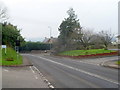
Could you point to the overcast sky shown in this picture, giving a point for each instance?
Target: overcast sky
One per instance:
(34, 16)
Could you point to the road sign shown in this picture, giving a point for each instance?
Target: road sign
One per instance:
(4, 46)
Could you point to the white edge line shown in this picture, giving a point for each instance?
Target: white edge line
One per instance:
(32, 70)
(6, 70)
(80, 70)
(45, 80)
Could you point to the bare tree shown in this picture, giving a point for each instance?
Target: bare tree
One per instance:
(3, 18)
(106, 38)
(86, 38)
(3, 13)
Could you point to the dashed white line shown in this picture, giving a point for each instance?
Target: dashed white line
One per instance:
(80, 70)
(34, 73)
(51, 86)
(89, 63)
(45, 80)
(74, 61)
(32, 70)
(6, 70)
(36, 69)
(36, 77)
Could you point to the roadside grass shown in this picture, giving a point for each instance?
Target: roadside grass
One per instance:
(0, 56)
(10, 58)
(118, 62)
(85, 52)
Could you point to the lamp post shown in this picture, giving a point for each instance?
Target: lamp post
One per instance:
(50, 35)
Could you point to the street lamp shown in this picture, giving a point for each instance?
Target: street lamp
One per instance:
(50, 36)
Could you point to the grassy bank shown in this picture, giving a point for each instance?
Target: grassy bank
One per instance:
(10, 58)
(85, 52)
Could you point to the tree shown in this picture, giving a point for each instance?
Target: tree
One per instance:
(86, 38)
(68, 30)
(3, 17)
(0, 33)
(106, 38)
(10, 34)
(29, 46)
(3, 13)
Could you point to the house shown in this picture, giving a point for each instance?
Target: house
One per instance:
(49, 40)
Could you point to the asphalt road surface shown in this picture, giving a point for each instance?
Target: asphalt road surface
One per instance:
(21, 77)
(68, 73)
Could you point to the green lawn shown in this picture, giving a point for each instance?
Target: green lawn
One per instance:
(85, 52)
(10, 54)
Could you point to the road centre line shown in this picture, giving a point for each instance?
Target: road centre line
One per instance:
(80, 70)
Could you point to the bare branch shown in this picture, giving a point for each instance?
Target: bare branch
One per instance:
(3, 14)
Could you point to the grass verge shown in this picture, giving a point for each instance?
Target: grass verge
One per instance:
(85, 52)
(118, 62)
(10, 58)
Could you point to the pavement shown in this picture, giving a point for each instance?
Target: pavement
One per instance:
(23, 76)
(111, 64)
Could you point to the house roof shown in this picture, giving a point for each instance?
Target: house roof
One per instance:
(118, 36)
(46, 40)
(49, 40)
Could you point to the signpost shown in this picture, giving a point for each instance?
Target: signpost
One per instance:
(4, 47)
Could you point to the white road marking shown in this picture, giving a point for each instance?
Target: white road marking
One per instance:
(51, 86)
(34, 73)
(86, 62)
(80, 70)
(6, 70)
(89, 63)
(93, 62)
(32, 70)
(37, 69)
(45, 80)
(36, 77)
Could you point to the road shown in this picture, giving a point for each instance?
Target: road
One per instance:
(22, 77)
(68, 73)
